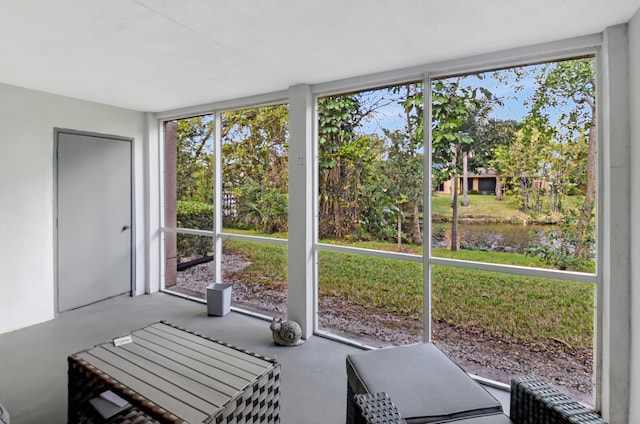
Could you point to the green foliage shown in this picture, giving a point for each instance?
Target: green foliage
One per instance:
(558, 247)
(574, 191)
(489, 135)
(193, 214)
(264, 209)
(345, 168)
(523, 164)
(194, 168)
(255, 147)
(401, 175)
(370, 185)
(338, 117)
(255, 167)
(456, 109)
(569, 87)
(197, 215)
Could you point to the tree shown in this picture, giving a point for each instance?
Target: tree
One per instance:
(524, 162)
(346, 163)
(452, 104)
(255, 166)
(492, 138)
(194, 173)
(401, 175)
(409, 151)
(570, 86)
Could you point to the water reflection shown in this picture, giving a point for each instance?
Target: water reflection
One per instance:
(514, 238)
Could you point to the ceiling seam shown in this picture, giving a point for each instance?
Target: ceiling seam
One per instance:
(209, 39)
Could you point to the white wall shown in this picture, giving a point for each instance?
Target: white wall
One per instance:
(27, 120)
(634, 72)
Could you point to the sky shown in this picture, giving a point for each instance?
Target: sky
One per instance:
(392, 116)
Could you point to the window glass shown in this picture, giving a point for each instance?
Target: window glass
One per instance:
(258, 273)
(514, 165)
(514, 183)
(501, 326)
(255, 184)
(370, 196)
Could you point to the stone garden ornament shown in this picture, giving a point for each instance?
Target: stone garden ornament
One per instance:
(286, 333)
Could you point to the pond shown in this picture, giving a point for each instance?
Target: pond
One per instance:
(514, 238)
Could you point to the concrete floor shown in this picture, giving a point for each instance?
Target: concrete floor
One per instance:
(33, 380)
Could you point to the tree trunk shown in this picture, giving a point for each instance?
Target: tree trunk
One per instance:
(498, 187)
(399, 229)
(525, 194)
(453, 186)
(417, 231)
(338, 212)
(454, 217)
(465, 180)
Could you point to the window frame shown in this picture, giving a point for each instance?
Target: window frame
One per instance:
(216, 234)
(612, 361)
(551, 52)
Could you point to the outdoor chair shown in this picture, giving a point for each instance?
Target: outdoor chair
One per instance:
(420, 384)
(532, 402)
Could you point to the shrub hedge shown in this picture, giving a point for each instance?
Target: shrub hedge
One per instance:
(197, 215)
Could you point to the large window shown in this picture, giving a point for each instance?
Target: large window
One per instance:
(512, 201)
(513, 222)
(459, 208)
(255, 182)
(370, 215)
(189, 204)
(250, 191)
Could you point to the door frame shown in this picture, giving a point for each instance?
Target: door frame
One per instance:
(130, 140)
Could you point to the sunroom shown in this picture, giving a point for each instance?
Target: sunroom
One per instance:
(233, 109)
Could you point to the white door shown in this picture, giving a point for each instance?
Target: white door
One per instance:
(94, 236)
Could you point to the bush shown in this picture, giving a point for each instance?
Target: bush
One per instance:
(574, 191)
(263, 208)
(196, 215)
(558, 247)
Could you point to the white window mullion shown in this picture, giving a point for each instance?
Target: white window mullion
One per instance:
(300, 285)
(613, 357)
(217, 198)
(426, 209)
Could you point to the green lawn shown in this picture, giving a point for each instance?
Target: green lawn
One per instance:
(487, 206)
(466, 255)
(479, 205)
(513, 308)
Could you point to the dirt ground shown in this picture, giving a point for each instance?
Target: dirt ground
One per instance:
(475, 352)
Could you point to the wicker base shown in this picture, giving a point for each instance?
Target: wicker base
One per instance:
(378, 408)
(534, 401)
(259, 402)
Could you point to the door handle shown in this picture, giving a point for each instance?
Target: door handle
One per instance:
(125, 227)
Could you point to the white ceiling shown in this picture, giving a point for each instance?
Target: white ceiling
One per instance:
(157, 55)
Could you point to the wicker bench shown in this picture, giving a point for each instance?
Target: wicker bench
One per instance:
(532, 401)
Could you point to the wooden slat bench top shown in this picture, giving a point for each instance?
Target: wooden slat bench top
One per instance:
(189, 376)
